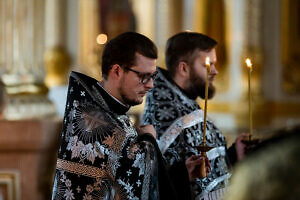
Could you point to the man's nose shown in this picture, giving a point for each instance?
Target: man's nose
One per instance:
(213, 70)
(149, 84)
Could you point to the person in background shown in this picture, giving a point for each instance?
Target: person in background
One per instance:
(270, 171)
(172, 109)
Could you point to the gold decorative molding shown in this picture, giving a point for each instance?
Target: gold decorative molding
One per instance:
(9, 185)
(57, 64)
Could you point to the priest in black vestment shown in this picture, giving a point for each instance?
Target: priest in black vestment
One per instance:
(101, 154)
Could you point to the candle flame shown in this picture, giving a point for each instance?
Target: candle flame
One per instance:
(207, 61)
(248, 62)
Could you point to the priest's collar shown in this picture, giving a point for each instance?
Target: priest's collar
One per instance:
(113, 103)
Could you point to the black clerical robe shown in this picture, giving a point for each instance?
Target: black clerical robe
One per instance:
(178, 120)
(101, 156)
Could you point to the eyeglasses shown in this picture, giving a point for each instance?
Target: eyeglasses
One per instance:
(144, 77)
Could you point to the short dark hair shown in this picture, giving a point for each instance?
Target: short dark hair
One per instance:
(181, 47)
(122, 49)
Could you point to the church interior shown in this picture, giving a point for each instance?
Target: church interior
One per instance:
(43, 40)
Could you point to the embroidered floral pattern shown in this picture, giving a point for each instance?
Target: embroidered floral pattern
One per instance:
(109, 140)
(96, 140)
(179, 143)
(139, 163)
(79, 150)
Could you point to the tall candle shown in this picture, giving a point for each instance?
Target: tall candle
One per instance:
(207, 64)
(249, 67)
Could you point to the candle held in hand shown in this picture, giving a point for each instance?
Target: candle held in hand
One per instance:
(207, 64)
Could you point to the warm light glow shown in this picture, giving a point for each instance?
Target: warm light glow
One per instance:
(102, 38)
(248, 62)
(207, 61)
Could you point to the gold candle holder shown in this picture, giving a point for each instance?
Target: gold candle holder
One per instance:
(204, 148)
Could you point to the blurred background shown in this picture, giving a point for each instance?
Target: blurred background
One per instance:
(43, 40)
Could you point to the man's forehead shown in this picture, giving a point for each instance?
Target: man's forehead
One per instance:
(144, 64)
(137, 56)
(211, 54)
(140, 57)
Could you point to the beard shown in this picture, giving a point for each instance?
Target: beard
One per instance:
(196, 87)
(126, 99)
(130, 101)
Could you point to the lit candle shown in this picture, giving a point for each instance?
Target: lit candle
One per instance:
(207, 64)
(249, 66)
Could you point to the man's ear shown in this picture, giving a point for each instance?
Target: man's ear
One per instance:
(116, 71)
(183, 69)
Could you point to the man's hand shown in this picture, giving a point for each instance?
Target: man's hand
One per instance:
(243, 145)
(240, 146)
(193, 165)
(147, 129)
